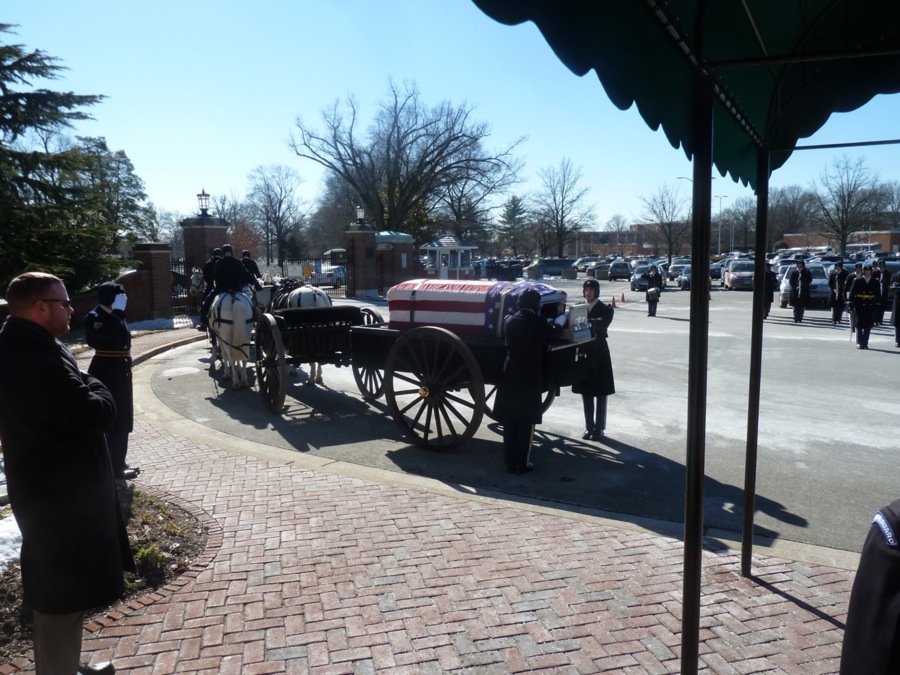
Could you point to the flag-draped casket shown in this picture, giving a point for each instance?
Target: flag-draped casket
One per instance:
(474, 310)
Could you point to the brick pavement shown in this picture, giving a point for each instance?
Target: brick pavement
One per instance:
(314, 572)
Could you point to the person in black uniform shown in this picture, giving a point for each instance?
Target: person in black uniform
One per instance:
(250, 264)
(865, 296)
(599, 383)
(107, 332)
(519, 392)
(872, 634)
(883, 277)
(853, 276)
(231, 275)
(209, 271)
(654, 281)
(895, 308)
(771, 284)
(799, 279)
(837, 282)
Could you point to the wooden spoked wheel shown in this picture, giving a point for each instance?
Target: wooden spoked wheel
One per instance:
(371, 317)
(271, 363)
(369, 380)
(434, 388)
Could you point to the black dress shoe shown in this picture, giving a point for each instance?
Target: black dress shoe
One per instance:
(597, 435)
(526, 469)
(586, 436)
(105, 668)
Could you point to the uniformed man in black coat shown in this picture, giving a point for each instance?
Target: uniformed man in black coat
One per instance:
(231, 275)
(599, 382)
(799, 280)
(837, 282)
(107, 332)
(209, 272)
(250, 264)
(865, 296)
(769, 288)
(520, 391)
(872, 634)
(53, 421)
(883, 277)
(895, 308)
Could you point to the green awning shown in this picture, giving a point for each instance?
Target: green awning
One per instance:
(779, 67)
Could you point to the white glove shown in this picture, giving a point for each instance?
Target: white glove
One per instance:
(119, 301)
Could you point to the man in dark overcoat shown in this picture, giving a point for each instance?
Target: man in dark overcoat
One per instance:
(883, 277)
(837, 297)
(250, 264)
(872, 634)
(231, 275)
(799, 280)
(107, 332)
(895, 308)
(520, 391)
(865, 296)
(53, 420)
(599, 382)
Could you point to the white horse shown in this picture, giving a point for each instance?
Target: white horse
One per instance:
(306, 296)
(198, 287)
(231, 323)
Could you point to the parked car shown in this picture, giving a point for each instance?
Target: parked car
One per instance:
(715, 270)
(684, 279)
(598, 270)
(619, 270)
(581, 264)
(549, 267)
(328, 275)
(639, 284)
(818, 289)
(676, 266)
(738, 275)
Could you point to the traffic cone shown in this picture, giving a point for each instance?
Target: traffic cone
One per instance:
(614, 301)
(623, 298)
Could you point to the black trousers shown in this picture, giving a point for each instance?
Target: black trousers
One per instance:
(118, 449)
(592, 423)
(517, 437)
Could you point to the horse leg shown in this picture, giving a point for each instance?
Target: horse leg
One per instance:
(317, 368)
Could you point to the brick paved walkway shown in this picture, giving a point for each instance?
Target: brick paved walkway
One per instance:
(314, 572)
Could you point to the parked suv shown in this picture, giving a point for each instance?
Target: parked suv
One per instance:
(619, 270)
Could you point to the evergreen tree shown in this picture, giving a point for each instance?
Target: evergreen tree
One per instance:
(45, 214)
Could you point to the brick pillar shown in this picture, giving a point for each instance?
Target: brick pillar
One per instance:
(157, 260)
(201, 235)
(361, 264)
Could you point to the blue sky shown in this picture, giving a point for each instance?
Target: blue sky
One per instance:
(200, 92)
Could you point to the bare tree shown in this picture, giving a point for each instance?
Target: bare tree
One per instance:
(667, 217)
(560, 207)
(273, 198)
(335, 209)
(891, 191)
(410, 157)
(790, 210)
(848, 199)
(618, 226)
(740, 218)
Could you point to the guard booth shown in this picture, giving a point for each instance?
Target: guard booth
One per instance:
(450, 257)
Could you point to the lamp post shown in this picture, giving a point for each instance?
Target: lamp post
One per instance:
(360, 216)
(203, 200)
(719, 245)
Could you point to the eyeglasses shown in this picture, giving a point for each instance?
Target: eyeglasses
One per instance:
(65, 303)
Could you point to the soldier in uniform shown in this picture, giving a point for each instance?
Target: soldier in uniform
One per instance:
(107, 332)
(872, 634)
(883, 277)
(250, 264)
(799, 279)
(837, 282)
(853, 276)
(895, 308)
(209, 270)
(599, 383)
(519, 393)
(771, 284)
(865, 296)
(231, 275)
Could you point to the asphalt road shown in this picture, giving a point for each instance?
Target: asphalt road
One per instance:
(828, 428)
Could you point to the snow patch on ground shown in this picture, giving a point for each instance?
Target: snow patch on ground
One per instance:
(10, 541)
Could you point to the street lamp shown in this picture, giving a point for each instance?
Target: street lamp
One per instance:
(203, 200)
(360, 215)
(720, 198)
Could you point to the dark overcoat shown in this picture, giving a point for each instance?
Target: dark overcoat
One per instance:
(799, 282)
(53, 420)
(872, 634)
(521, 387)
(837, 282)
(771, 284)
(231, 275)
(600, 381)
(895, 308)
(107, 332)
(865, 296)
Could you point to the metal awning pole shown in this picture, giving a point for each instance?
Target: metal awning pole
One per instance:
(695, 471)
(756, 336)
